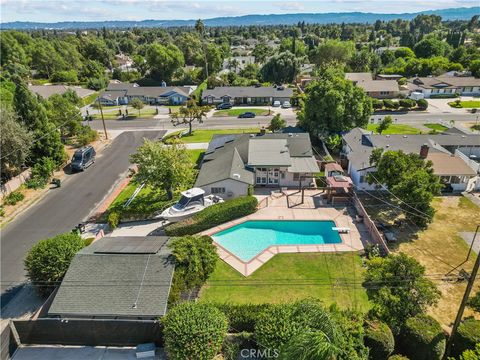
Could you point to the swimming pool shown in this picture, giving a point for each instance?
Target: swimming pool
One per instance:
(248, 239)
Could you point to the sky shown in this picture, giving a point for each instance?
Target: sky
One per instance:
(100, 10)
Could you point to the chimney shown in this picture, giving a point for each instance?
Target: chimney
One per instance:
(263, 131)
(424, 151)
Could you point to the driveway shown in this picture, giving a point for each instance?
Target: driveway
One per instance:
(61, 209)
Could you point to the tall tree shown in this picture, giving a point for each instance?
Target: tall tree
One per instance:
(333, 51)
(163, 61)
(281, 68)
(164, 167)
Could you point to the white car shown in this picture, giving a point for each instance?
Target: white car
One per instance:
(286, 105)
(276, 103)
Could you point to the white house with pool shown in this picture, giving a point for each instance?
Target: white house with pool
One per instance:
(234, 162)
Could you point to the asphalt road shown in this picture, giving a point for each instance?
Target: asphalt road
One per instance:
(63, 208)
(232, 122)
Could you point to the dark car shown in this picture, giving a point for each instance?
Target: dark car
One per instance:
(83, 158)
(224, 106)
(247, 114)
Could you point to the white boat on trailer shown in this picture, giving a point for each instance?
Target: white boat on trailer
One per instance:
(191, 202)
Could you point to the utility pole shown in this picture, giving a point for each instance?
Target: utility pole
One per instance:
(103, 120)
(466, 295)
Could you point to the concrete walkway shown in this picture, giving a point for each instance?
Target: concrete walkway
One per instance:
(195, 146)
(468, 237)
(139, 228)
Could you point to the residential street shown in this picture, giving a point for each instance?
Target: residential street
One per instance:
(61, 209)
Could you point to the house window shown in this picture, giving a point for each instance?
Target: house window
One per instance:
(362, 179)
(264, 180)
(217, 190)
(296, 176)
(282, 174)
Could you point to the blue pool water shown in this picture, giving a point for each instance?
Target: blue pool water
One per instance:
(250, 238)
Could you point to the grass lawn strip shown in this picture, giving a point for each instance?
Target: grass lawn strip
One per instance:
(204, 136)
(236, 112)
(395, 129)
(466, 104)
(436, 127)
(332, 278)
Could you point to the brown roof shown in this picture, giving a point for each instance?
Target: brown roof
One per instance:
(446, 164)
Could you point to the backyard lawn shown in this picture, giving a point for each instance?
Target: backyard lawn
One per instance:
(203, 136)
(196, 155)
(466, 104)
(395, 129)
(436, 127)
(236, 112)
(332, 278)
(439, 248)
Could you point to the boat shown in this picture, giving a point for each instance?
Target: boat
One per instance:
(191, 202)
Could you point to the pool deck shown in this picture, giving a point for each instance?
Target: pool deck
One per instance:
(279, 208)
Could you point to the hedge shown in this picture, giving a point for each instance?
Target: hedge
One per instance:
(242, 317)
(422, 338)
(379, 339)
(214, 215)
(398, 357)
(194, 331)
(468, 334)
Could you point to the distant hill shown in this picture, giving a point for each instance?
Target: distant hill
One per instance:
(273, 19)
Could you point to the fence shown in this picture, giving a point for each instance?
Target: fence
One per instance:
(89, 332)
(15, 182)
(370, 225)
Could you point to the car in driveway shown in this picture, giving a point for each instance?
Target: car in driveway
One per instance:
(224, 106)
(276, 103)
(83, 158)
(286, 105)
(247, 114)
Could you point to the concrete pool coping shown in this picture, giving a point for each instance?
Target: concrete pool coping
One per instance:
(247, 268)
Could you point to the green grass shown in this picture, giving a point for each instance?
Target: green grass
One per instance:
(466, 104)
(200, 136)
(132, 114)
(395, 129)
(87, 100)
(332, 278)
(196, 155)
(236, 112)
(436, 127)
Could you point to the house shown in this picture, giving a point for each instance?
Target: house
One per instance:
(444, 85)
(45, 91)
(237, 63)
(450, 153)
(382, 49)
(117, 278)
(124, 62)
(233, 163)
(118, 93)
(247, 95)
(378, 89)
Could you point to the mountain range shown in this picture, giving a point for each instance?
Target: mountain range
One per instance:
(272, 19)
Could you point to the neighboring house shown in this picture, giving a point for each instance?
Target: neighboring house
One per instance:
(451, 153)
(117, 277)
(122, 93)
(379, 89)
(237, 63)
(445, 85)
(232, 163)
(247, 95)
(382, 49)
(124, 62)
(395, 77)
(45, 91)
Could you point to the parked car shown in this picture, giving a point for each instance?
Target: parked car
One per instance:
(247, 114)
(83, 158)
(276, 103)
(286, 105)
(224, 106)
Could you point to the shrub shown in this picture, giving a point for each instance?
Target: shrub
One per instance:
(242, 317)
(48, 261)
(214, 215)
(2, 211)
(86, 135)
(389, 104)
(42, 171)
(234, 343)
(275, 327)
(379, 339)
(377, 104)
(13, 198)
(422, 338)
(422, 104)
(113, 219)
(69, 76)
(194, 331)
(471, 354)
(467, 335)
(407, 103)
(398, 357)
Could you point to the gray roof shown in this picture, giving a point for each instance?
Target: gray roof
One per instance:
(268, 152)
(247, 91)
(304, 165)
(378, 85)
(106, 278)
(443, 81)
(156, 91)
(45, 91)
(112, 94)
(360, 76)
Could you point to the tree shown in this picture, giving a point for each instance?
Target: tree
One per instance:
(188, 114)
(48, 261)
(63, 112)
(277, 123)
(281, 68)
(333, 52)
(398, 289)
(410, 179)
(194, 331)
(15, 143)
(384, 124)
(30, 111)
(475, 68)
(261, 52)
(430, 47)
(162, 167)
(163, 61)
(334, 142)
(138, 104)
(474, 302)
(334, 104)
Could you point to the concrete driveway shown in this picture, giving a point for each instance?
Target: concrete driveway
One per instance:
(440, 106)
